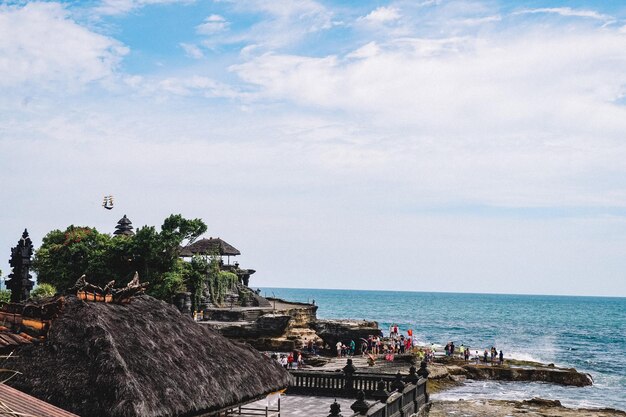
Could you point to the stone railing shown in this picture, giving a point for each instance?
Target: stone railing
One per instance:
(408, 402)
(395, 395)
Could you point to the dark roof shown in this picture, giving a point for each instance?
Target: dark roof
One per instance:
(124, 227)
(140, 359)
(14, 402)
(9, 340)
(209, 247)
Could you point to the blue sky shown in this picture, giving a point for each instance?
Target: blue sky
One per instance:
(421, 145)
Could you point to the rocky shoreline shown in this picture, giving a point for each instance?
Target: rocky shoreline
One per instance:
(446, 372)
(281, 326)
(535, 407)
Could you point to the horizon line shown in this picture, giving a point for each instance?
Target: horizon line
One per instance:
(449, 292)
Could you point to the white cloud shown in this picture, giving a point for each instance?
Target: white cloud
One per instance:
(286, 22)
(477, 21)
(568, 12)
(41, 44)
(503, 120)
(192, 51)
(195, 85)
(383, 15)
(212, 24)
(164, 88)
(117, 7)
(366, 51)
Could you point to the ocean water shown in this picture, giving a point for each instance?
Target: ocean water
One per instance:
(587, 333)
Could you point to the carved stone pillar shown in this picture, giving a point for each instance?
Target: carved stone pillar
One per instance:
(360, 405)
(349, 371)
(19, 281)
(335, 410)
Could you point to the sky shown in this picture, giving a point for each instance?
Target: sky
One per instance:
(433, 145)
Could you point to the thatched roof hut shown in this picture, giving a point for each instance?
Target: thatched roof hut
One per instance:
(140, 359)
(209, 246)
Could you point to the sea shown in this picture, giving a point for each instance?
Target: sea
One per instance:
(586, 333)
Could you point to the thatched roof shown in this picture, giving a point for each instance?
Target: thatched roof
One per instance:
(209, 247)
(140, 359)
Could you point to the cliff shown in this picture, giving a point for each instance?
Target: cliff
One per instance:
(283, 326)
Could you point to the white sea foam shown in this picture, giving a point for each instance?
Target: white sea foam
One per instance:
(523, 356)
(588, 397)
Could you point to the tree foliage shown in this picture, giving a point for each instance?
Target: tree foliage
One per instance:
(66, 255)
(43, 290)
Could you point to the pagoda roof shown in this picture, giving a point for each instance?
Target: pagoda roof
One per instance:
(124, 227)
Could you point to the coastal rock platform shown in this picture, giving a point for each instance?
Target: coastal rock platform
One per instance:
(554, 375)
(514, 370)
(501, 408)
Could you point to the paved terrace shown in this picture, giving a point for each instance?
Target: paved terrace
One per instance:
(305, 406)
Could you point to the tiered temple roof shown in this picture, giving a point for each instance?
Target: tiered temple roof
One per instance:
(124, 227)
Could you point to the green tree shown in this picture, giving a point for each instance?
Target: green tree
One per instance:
(66, 255)
(5, 296)
(43, 290)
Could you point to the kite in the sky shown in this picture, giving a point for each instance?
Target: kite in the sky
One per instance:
(108, 202)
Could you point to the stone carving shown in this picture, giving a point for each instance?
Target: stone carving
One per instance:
(335, 410)
(108, 294)
(360, 405)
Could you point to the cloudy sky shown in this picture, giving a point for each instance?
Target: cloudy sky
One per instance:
(464, 146)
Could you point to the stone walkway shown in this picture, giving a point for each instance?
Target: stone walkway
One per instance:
(304, 406)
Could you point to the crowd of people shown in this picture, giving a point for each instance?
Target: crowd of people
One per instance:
(396, 343)
(489, 355)
(293, 360)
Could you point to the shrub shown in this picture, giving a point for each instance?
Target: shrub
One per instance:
(43, 290)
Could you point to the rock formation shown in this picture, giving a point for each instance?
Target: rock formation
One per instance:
(455, 369)
(332, 331)
(554, 375)
(496, 408)
(283, 326)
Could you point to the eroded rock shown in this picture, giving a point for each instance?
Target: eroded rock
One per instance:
(536, 407)
(332, 331)
(554, 375)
